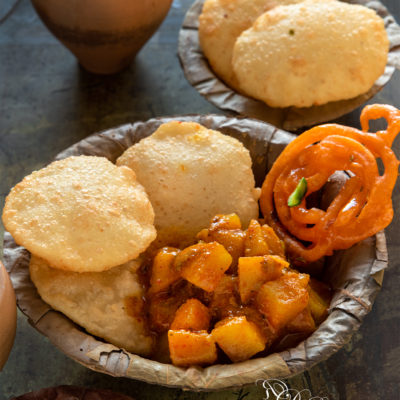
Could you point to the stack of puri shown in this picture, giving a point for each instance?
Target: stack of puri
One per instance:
(88, 222)
(299, 53)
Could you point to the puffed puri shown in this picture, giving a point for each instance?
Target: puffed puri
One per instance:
(81, 214)
(220, 24)
(191, 174)
(106, 304)
(311, 53)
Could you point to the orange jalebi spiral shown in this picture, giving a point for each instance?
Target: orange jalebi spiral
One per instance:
(362, 207)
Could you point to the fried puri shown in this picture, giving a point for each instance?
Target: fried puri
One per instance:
(191, 174)
(311, 53)
(81, 214)
(107, 304)
(221, 23)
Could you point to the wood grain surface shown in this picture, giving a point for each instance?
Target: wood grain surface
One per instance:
(47, 103)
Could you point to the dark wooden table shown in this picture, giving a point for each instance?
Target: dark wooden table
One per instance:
(47, 102)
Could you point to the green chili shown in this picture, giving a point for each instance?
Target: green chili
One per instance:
(298, 194)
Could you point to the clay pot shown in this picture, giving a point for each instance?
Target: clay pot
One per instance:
(105, 35)
(8, 316)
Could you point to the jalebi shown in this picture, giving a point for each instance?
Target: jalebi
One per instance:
(363, 205)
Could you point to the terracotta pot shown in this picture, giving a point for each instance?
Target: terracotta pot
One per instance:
(104, 35)
(8, 315)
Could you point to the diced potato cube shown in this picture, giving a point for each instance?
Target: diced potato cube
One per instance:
(193, 316)
(320, 298)
(254, 242)
(232, 240)
(238, 338)
(318, 307)
(282, 299)
(269, 333)
(225, 221)
(221, 222)
(225, 299)
(255, 271)
(163, 272)
(203, 235)
(302, 323)
(191, 348)
(226, 230)
(203, 264)
(276, 246)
